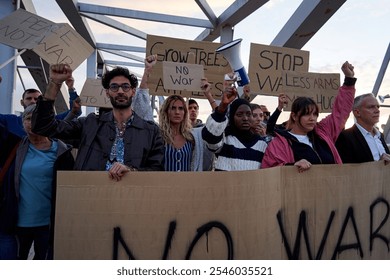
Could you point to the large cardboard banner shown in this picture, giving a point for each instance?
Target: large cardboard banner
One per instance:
(186, 51)
(321, 87)
(55, 43)
(328, 212)
(266, 64)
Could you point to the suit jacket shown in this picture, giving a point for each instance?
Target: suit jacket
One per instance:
(353, 148)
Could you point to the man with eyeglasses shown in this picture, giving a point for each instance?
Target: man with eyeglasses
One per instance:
(119, 141)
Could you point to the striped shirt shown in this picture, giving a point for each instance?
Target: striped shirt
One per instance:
(178, 159)
(232, 154)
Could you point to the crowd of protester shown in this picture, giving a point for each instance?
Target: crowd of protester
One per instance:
(238, 135)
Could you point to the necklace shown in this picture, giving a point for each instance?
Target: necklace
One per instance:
(121, 126)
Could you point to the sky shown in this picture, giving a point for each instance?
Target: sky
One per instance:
(357, 32)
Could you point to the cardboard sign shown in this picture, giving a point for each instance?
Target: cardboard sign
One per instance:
(266, 64)
(186, 51)
(182, 76)
(64, 46)
(24, 30)
(93, 94)
(328, 212)
(323, 88)
(55, 43)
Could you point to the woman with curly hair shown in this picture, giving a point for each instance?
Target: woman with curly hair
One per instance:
(176, 132)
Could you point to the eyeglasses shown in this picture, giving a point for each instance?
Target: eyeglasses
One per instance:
(115, 87)
(267, 114)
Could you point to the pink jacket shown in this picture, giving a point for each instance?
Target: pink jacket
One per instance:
(279, 151)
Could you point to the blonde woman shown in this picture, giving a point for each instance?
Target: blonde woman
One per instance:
(176, 132)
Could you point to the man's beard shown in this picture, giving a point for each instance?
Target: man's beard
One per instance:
(117, 105)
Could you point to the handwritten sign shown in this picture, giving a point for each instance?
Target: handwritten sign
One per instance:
(64, 46)
(182, 76)
(24, 30)
(328, 212)
(266, 64)
(55, 43)
(323, 88)
(186, 51)
(93, 94)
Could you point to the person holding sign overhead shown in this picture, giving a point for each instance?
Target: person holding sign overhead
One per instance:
(236, 147)
(119, 141)
(307, 142)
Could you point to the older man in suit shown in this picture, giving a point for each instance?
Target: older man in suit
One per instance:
(363, 142)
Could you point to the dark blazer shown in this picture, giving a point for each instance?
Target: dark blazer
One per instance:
(353, 148)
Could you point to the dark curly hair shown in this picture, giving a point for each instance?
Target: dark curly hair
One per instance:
(119, 71)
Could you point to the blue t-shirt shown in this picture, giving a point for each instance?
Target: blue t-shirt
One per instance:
(36, 179)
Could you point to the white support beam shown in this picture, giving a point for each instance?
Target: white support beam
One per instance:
(117, 62)
(382, 72)
(308, 18)
(7, 86)
(116, 24)
(235, 13)
(227, 33)
(79, 24)
(141, 15)
(104, 46)
(205, 7)
(126, 55)
(69, 8)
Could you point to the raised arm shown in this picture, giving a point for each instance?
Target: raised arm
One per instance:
(206, 88)
(59, 73)
(282, 103)
(141, 101)
(74, 102)
(334, 123)
(43, 119)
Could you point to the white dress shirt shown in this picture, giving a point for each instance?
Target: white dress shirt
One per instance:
(373, 141)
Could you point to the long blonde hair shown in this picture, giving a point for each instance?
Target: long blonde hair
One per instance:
(165, 124)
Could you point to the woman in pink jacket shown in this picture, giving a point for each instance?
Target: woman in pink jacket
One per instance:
(307, 142)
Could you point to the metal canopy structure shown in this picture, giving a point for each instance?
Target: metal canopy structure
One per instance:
(301, 27)
(308, 18)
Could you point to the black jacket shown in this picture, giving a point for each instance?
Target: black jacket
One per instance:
(144, 148)
(353, 148)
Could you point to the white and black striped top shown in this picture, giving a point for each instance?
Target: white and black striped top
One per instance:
(233, 152)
